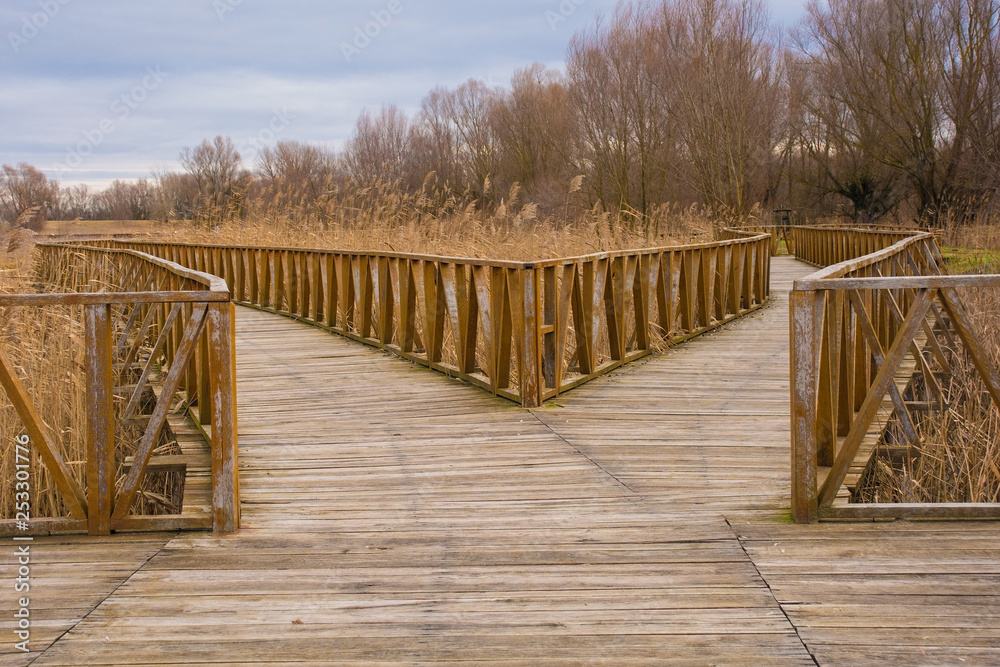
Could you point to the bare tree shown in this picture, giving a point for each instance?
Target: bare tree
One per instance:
(23, 188)
(124, 200)
(215, 166)
(299, 172)
(608, 78)
(455, 137)
(972, 100)
(534, 126)
(821, 158)
(379, 149)
(435, 143)
(728, 99)
(75, 202)
(175, 195)
(470, 109)
(913, 86)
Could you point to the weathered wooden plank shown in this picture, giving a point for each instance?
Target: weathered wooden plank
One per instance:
(806, 317)
(222, 384)
(100, 419)
(913, 511)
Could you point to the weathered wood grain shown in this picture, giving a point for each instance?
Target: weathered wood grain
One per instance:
(126, 296)
(855, 324)
(397, 301)
(392, 515)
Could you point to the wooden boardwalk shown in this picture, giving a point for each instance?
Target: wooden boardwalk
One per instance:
(393, 515)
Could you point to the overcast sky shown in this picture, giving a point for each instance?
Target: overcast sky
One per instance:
(93, 90)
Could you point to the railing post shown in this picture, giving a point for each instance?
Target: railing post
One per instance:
(806, 328)
(531, 368)
(100, 419)
(308, 280)
(253, 276)
(549, 315)
(266, 278)
(766, 276)
(206, 397)
(829, 350)
(225, 449)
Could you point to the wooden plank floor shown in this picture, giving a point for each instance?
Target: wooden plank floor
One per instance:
(705, 429)
(393, 515)
(70, 576)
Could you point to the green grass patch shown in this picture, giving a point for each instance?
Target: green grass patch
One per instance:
(965, 260)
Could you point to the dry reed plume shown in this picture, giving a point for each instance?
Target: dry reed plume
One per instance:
(385, 217)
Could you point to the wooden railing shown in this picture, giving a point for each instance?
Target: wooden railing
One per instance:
(780, 234)
(824, 246)
(871, 338)
(143, 317)
(523, 330)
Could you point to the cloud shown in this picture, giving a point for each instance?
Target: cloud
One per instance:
(232, 64)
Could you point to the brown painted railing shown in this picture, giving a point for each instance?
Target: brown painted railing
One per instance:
(779, 234)
(822, 243)
(523, 330)
(824, 246)
(150, 316)
(882, 316)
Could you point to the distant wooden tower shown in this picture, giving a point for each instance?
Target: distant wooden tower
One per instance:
(783, 230)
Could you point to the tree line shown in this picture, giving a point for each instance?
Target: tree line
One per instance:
(866, 108)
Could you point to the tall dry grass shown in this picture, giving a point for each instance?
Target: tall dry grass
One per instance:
(958, 458)
(981, 235)
(385, 217)
(46, 347)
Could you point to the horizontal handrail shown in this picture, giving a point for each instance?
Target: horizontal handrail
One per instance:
(132, 243)
(778, 234)
(826, 246)
(527, 331)
(871, 333)
(120, 298)
(895, 282)
(144, 302)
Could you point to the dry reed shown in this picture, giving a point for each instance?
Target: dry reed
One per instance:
(46, 347)
(958, 457)
(384, 217)
(982, 235)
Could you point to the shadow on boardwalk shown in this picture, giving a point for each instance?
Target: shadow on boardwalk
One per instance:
(393, 515)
